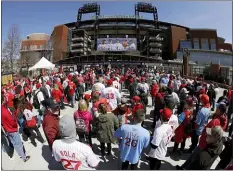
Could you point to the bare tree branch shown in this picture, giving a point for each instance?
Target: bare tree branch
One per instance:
(10, 52)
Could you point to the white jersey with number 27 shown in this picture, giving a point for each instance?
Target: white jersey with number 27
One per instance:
(75, 156)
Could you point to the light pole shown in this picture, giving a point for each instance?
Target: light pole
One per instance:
(186, 53)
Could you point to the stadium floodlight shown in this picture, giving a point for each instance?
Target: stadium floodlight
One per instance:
(145, 7)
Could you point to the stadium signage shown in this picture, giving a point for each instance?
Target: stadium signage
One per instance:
(116, 16)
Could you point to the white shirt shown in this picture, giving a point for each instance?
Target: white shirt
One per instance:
(173, 122)
(74, 156)
(119, 46)
(116, 84)
(40, 97)
(28, 114)
(143, 86)
(176, 98)
(65, 84)
(112, 95)
(162, 137)
(102, 47)
(177, 84)
(49, 89)
(132, 47)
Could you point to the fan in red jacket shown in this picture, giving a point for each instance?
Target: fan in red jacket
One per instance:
(10, 126)
(9, 99)
(51, 123)
(219, 119)
(137, 104)
(154, 90)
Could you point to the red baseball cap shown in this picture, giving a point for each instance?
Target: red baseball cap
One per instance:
(204, 98)
(166, 113)
(38, 85)
(87, 96)
(109, 82)
(136, 98)
(143, 79)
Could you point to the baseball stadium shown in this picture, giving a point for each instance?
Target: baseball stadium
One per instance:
(125, 40)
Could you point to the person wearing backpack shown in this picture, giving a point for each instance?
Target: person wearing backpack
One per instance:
(107, 124)
(30, 123)
(38, 103)
(83, 120)
(81, 90)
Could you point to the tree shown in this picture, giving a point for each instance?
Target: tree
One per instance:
(47, 51)
(10, 52)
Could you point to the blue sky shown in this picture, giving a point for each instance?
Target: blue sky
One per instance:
(41, 17)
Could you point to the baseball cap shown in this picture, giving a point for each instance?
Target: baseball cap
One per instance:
(87, 96)
(50, 104)
(166, 113)
(204, 98)
(222, 107)
(216, 132)
(184, 90)
(38, 85)
(67, 128)
(136, 98)
(109, 82)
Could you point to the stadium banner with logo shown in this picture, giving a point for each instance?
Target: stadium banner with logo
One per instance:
(116, 44)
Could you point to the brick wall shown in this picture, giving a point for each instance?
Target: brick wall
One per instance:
(59, 39)
(225, 46)
(176, 34)
(32, 42)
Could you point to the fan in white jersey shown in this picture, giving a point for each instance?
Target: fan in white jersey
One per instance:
(161, 138)
(73, 154)
(116, 84)
(112, 95)
(98, 87)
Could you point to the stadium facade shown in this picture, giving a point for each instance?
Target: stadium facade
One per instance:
(131, 39)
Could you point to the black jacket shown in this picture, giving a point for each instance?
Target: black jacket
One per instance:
(206, 157)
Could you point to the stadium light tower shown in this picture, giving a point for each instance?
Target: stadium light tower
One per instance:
(146, 8)
(89, 8)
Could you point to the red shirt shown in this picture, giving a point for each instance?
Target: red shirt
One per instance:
(154, 90)
(9, 98)
(72, 88)
(57, 95)
(9, 122)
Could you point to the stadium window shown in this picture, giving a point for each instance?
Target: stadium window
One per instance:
(41, 47)
(31, 47)
(212, 44)
(196, 43)
(185, 44)
(25, 47)
(204, 44)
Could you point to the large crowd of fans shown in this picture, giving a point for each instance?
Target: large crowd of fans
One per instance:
(112, 105)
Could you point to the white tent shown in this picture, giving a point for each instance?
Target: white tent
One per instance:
(42, 64)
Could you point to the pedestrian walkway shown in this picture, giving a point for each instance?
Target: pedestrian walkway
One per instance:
(41, 157)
